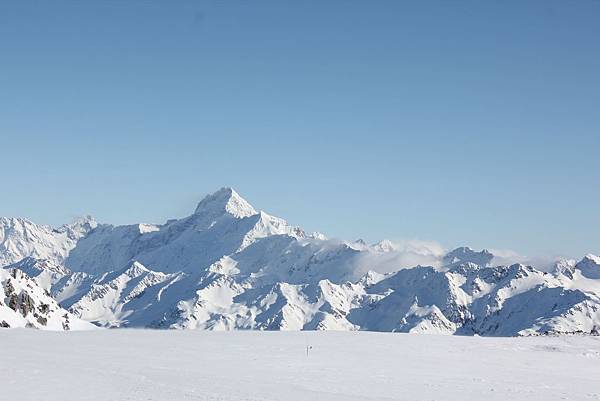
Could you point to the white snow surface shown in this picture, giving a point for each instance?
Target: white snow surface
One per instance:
(340, 366)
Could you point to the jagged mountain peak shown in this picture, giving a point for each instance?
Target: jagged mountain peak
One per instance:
(18, 223)
(45, 272)
(591, 258)
(29, 264)
(564, 267)
(465, 254)
(20, 238)
(136, 268)
(359, 245)
(225, 200)
(384, 246)
(589, 266)
(79, 228)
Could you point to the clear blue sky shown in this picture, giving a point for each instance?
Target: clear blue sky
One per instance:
(465, 122)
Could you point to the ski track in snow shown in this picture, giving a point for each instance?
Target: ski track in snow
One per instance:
(260, 366)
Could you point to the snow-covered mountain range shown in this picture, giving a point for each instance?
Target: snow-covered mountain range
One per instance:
(228, 266)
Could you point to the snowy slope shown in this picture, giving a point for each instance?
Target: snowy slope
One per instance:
(222, 224)
(228, 266)
(465, 299)
(23, 303)
(471, 299)
(20, 238)
(154, 365)
(46, 273)
(115, 296)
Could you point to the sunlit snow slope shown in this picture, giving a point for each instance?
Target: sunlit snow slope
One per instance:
(155, 365)
(228, 266)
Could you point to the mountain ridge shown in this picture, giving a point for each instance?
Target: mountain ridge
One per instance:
(228, 266)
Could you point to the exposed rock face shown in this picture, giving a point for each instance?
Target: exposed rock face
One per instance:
(13, 302)
(26, 304)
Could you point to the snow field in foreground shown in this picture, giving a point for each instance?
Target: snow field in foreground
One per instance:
(196, 365)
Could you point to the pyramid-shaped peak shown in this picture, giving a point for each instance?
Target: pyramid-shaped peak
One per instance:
(225, 200)
(136, 269)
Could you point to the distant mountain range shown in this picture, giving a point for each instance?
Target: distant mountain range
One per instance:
(228, 266)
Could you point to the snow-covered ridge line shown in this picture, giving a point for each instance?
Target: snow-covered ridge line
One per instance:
(20, 238)
(228, 266)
